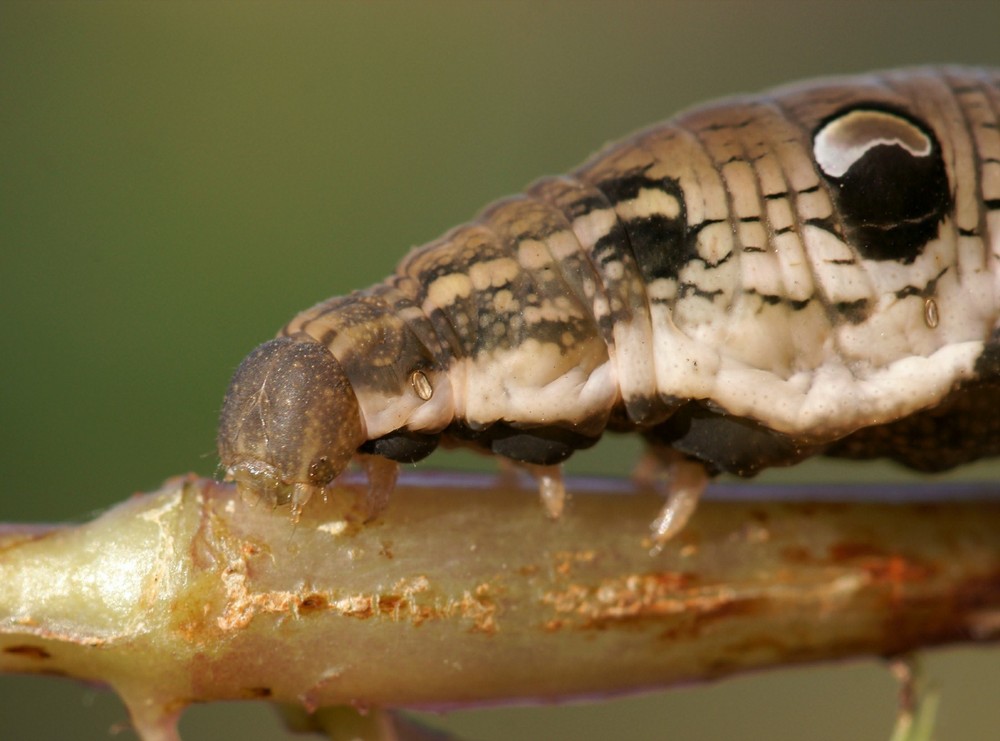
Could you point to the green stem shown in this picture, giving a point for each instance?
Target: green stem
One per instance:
(463, 592)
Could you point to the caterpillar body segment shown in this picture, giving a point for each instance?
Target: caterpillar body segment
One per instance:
(813, 270)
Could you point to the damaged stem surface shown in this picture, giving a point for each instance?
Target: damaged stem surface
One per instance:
(462, 593)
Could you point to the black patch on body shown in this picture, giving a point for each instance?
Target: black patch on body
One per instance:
(891, 201)
(964, 427)
(584, 205)
(627, 187)
(988, 363)
(659, 243)
(403, 446)
(612, 247)
(660, 247)
(854, 312)
(726, 443)
(544, 446)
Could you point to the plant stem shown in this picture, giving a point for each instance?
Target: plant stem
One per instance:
(463, 592)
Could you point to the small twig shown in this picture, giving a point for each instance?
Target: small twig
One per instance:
(464, 592)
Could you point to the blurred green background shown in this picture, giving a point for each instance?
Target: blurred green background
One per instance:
(178, 179)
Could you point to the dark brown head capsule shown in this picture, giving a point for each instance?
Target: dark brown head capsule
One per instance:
(290, 422)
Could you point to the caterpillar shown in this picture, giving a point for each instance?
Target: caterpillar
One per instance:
(763, 279)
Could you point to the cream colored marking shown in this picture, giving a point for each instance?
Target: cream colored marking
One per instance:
(769, 175)
(715, 241)
(956, 147)
(549, 311)
(760, 271)
(590, 227)
(718, 280)
(779, 214)
(848, 138)
(991, 180)
(890, 276)
(614, 270)
(753, 235)
(797, 166)
(533, 255)
(794, 266)
(447, 289)
(834, 398)
(810, 337)
(721, 143)
(649, 202)
(504, 302)
(684, 366)
(493, 273)
(634, 348)
(840, 283)
(532, 383)
(563, 244)
(757, 336)
(600, 306)
(662, 289)
(814, 205)
(741, 181)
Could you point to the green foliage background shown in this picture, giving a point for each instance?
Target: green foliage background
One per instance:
(178, 179)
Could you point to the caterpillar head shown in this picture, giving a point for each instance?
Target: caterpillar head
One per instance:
(290, 422)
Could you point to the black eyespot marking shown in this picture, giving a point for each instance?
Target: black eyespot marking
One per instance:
(888, 179)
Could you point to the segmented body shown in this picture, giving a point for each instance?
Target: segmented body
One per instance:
(812, 270)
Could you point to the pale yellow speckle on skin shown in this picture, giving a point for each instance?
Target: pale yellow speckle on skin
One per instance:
(533, 255)
(449, 288)
(504, 302)
(615, 270)
(493, 273)
(549, 311)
